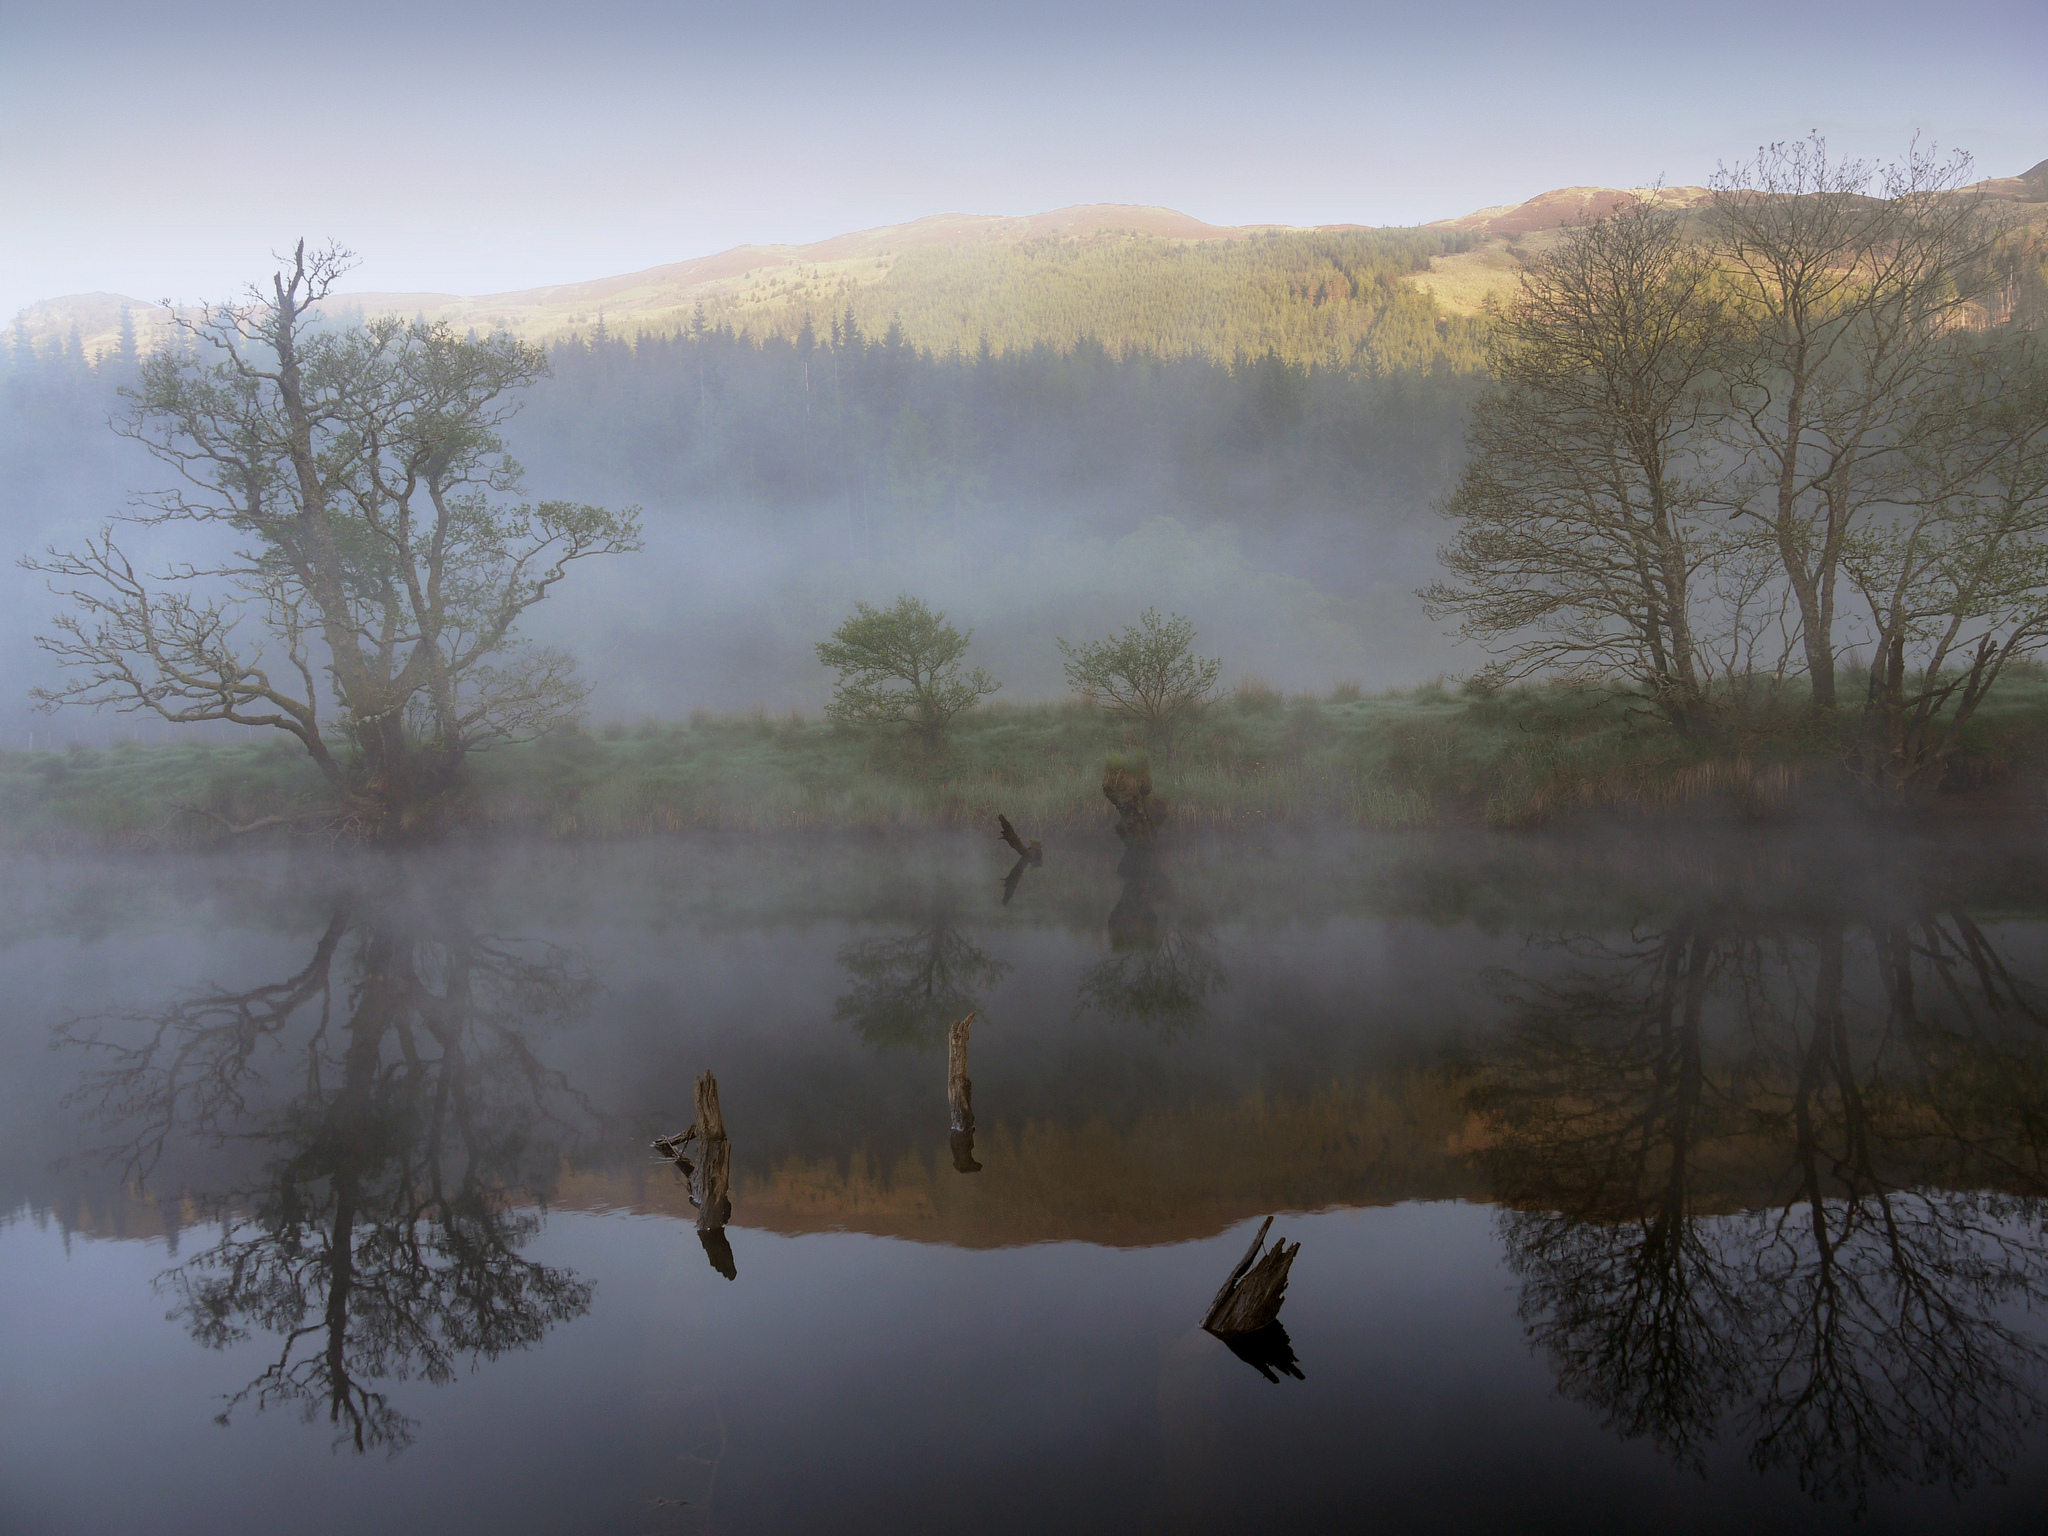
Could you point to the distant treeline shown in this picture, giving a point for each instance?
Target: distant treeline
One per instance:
(900, 440)
(1238, 380)
(1328, 298)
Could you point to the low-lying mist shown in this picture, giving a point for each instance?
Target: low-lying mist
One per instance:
(1287, 578)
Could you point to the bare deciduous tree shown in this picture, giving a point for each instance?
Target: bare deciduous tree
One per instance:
(1579, 541)
(376, 565)
(1957, 586)
(1844, 280)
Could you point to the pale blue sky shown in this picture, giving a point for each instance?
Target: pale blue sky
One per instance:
(164, 149)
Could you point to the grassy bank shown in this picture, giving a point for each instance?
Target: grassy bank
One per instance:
(1518, 758)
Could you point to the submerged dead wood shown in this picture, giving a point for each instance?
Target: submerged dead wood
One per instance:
(713, 1175)
(1034, 850)
(959, 1087)
(1251, 1297)
(960, 1093)
(1029, 856)
(710, 1173)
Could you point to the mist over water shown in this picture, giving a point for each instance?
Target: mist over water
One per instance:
(568, 1057)
(1286, 513)
(1755, 1233)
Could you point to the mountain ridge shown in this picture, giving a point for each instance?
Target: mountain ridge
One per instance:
(764, 288)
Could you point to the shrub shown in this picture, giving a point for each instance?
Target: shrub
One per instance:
(901, 666)
(1148, 673)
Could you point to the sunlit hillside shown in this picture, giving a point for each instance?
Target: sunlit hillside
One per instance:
(1136, 279)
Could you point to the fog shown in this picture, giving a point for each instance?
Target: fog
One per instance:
(1294, 537)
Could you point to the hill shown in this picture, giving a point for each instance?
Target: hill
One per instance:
(1134, 278)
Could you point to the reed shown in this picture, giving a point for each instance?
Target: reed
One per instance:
(1511, 758)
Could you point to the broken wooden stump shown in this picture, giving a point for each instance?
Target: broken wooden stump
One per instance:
(1034, 850)
(1251, 1297)
(1127, 786)
(959, 1087)
(1029, 856)
(710, 1173)
(960, 1095)
(711, 1181)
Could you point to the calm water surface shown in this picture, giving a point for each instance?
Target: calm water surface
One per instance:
(1677, 1184)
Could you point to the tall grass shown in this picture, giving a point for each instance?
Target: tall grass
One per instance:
(1511, 758)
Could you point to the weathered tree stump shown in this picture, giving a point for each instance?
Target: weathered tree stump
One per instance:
(711, 1179)
(1029, 856)
(959, 1087)
(1251, 1297)
(710, 1170)
(1033, 851)
(1128, 789)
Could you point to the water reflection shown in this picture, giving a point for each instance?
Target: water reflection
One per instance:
(1769, 1168)
(909, 988)
(1268, 1351)
(1163, 964)
(1781, 1178)
(389, 1111)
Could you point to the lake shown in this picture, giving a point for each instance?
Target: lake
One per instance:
(1681, 1183)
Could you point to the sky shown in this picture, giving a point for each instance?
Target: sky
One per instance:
(165, 149)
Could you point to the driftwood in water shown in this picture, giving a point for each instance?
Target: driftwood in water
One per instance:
(1251, 1297)
(710, 1170)
(710, 1182)
(1029, 856)
(960, 1094)
(959, 1087)
(1034, 850)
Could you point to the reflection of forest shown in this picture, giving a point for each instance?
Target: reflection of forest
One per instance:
(908, 988)
(1167, 1176)
(406, 1126)
(1783, 1180)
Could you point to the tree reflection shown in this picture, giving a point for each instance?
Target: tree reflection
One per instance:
(908, 990)
(1784, 1183)
(1161, 969)
(404, 1120)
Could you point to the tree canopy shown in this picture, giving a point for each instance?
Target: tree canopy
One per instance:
(370, 558)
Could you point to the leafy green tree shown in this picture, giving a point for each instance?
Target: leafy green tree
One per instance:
(1148, 673)
(900, 665)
